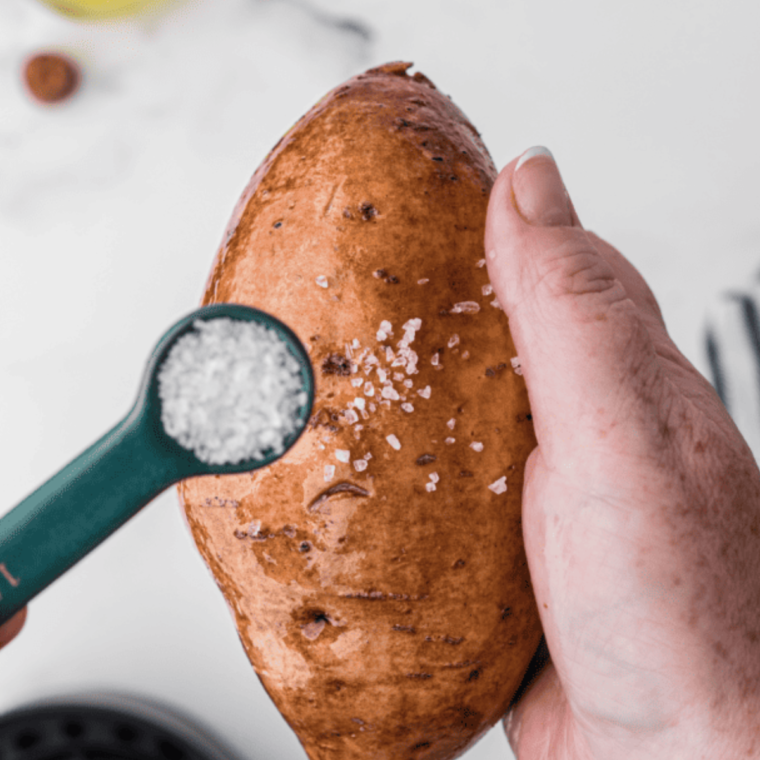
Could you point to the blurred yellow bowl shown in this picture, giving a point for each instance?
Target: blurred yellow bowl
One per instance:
(97, 9)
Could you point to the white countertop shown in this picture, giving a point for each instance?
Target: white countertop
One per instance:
(112, 206)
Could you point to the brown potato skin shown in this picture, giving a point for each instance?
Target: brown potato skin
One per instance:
(398, 624)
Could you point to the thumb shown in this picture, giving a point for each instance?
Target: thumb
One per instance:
(579, 336)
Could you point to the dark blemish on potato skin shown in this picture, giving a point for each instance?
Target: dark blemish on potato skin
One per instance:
(426, 459)
(460, 563)
(343, 487)
(336, 364)
(444, 639)
(318, 420)
(474, 675)
(404, 628)
(507, 612)
(367, 211)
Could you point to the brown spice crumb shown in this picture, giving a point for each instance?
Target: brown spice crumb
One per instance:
(51, 77)
(466, 474)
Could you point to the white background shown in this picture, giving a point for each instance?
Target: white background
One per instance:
(112, 207)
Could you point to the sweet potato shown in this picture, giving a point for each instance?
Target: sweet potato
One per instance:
(386, 607)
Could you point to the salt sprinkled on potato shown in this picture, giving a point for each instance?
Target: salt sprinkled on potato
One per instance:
(385, 604)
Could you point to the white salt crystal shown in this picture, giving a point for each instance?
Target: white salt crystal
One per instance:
(481, 263)
(359, 402)
(355, 343)
(393, 441)
(389, 392)
(369, 389)
(407, 407)
(450, 441)
(356, 382)
(430, 487)
(476, 446)
(495, 303)
(450, 424)
(487, 289)
(516, 366)
(351, 416)
(342, 455)
(360, 464)
(380, 335)
(322, 281)
(329, 472)
(408, 383)
(434, 477)
(453, 341)
(465, 307)
(425, 392)
(386, 327)
(499, 486)
(434, 360)
(413, 324)
(423, 281)
(368, 455)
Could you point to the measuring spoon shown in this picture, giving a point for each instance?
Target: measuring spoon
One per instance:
(96, 493)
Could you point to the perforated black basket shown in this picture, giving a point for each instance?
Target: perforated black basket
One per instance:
(105, 727)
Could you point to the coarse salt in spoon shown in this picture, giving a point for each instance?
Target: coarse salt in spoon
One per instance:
(227, 389)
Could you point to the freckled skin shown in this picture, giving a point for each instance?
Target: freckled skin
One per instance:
(641, 514)
(374, 612)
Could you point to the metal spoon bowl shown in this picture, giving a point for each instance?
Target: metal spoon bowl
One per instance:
(98, 491)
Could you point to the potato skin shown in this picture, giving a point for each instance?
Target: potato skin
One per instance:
(385, 620)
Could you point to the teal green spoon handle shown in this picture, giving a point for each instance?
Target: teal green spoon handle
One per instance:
(96, 493)
(79, 507)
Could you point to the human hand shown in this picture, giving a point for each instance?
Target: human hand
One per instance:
(641, 504)
(10, 629)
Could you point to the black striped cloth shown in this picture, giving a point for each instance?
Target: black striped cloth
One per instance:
(732, 345)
